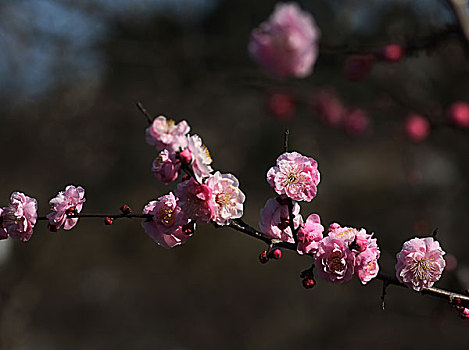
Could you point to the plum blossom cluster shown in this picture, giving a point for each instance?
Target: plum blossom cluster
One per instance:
(340, 255)
(18, 219)
(202, 196)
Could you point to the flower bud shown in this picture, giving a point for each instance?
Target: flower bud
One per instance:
(463, 312)
(185, 156)
(125, 209)
(276, 254)
(263, 258)
(309, 283)
(108, 221)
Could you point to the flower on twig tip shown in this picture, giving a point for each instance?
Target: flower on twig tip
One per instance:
(295, 176)
(201, 159)
(165, 133)
(20, 216)
(286, 44)
(166, 166)
(66, 203)
(167, 226)
(420, 263)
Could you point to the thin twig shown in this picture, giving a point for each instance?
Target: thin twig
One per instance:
(144, 112)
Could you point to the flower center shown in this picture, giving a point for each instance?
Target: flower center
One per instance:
(170, 125)
(424, 269)
(335, 262)
(292, 178)
(167, 215)
(223, 199)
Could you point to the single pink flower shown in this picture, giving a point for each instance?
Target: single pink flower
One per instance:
(227, 198)
(201, 159)
(165, 133)
(286, 44)
(420, 263)
(195, 200)
(166, 167)
(295, 176)
(20, 216)
(458, 114)
(167, 224)
(66, 202)
(416, 127)
(275, 220)
(366, 265)
(346, 234)
(3, 231)
(310, 234)
(334, 261)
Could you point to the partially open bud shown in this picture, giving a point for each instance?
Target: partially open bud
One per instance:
(263, 258)
(309, 283)
(185, 156)
(108, 221)
(276, 253)
(125, 209)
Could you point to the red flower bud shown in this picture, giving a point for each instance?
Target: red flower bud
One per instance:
(185, 156)
(309, 283)
(125, 209)
(276, 254)
(263, 258)
(108, 221)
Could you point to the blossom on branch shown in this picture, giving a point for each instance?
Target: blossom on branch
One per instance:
(295, 176)
(166, 167)
(69, 201)
(195, 200)
(227, 198)
(167, 226)
(334, 261)
(201, 159)
(20, 216)
(287, 43)
(275, 220)
(165, 133)
(310, 234)
(420, 263)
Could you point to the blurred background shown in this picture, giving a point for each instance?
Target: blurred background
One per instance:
(70, 74)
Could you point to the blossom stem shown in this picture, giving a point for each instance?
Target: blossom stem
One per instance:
(112, 216)
(144, 112)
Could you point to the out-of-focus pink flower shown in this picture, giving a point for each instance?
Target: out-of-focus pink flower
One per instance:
(275, 220)
(195, 200)
(3, 231)
(166, 167)
(357, 67)
(201, 159)
(420, 263)
(458, 114)
(357, 121)
(310, 234)
(416, 127)
(166, 226)
(295, 176)
(165, 133)
(66, 202)
(227, 198)
(366, 265)
(334, 261)
(20, 216)
(329, 107)
(392, 53)
(281, 105)
(286, 44)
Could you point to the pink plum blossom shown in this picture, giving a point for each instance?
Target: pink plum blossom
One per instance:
(366, 265)
(166, 167)
(227, 198)
(420, 263)
(167, 224)
(3, 231)
(416, 127)
(165, 133)
(195, 200)
(334, 261)
(346, 234)
(286, 44)
(20, 216)
(295, 176)
(201, 159)
(310, 234)
(275, 220)
(66, 202)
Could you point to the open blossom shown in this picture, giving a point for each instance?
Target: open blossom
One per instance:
(286, 44)
(366, 265)
(310, 234)
(167, 225)
(20, 216)
(67, 202)
(420, 263)
(166, 167)
(201, 159)
(165, 133)
(334, 260)
(3, 231)
(195, 200)
(227, 198)
(275, 220)
(295, 176)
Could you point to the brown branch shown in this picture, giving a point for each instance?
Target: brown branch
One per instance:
(144, 112)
